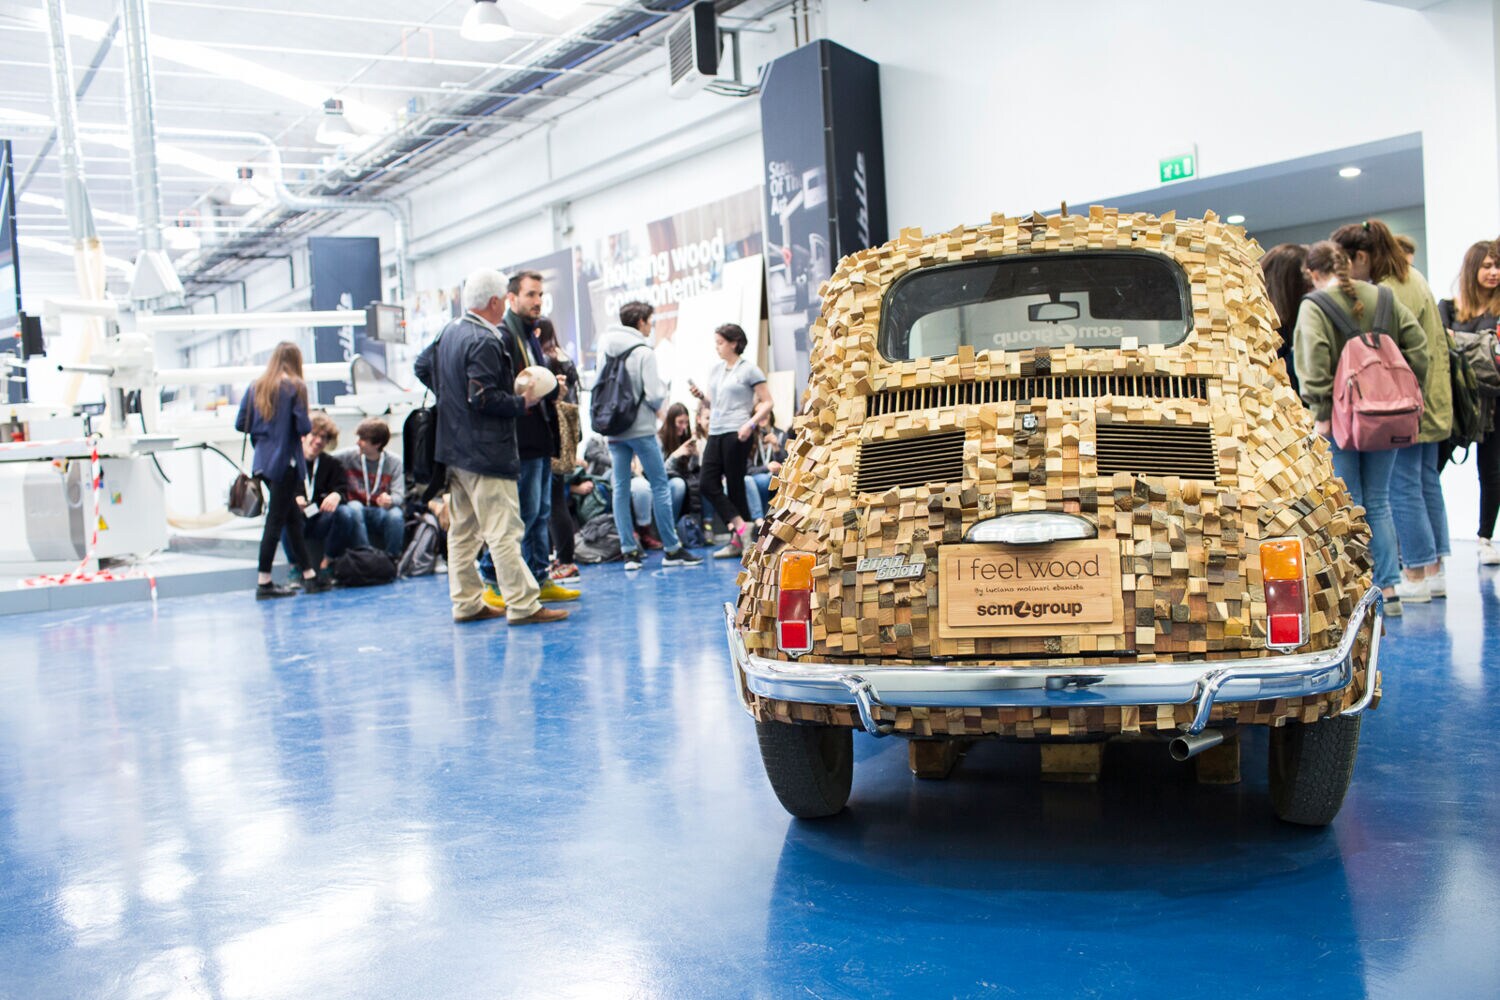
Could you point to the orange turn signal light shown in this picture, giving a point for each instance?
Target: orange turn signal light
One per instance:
(1281, 559)
(796, 570)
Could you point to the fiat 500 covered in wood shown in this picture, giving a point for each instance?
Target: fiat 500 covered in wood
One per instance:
(1050, 482)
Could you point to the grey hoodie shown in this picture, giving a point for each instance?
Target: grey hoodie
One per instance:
(641, 366)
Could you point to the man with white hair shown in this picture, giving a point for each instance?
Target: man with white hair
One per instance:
(469, 371)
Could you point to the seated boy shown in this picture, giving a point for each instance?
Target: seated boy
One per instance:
(329, 522)
(374, 487)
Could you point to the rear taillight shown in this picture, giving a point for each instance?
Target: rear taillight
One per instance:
(1283, 573)
(794, 604)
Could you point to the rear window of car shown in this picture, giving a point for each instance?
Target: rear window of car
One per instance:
(1094, 300)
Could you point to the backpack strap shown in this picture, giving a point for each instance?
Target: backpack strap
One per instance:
(1385, 312)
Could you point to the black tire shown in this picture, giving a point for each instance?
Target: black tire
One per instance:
(1311, 765)
(810, 767)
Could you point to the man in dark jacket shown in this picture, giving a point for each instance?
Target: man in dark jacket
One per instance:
(469, 371)
(537, 431)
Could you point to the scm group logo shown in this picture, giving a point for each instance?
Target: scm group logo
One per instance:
(1023, 609)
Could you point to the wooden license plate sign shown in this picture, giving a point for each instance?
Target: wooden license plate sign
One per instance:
(1058, 589)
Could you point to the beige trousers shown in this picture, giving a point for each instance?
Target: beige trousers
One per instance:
(486, 510)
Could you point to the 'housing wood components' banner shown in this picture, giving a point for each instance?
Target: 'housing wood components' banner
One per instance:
(824, 183)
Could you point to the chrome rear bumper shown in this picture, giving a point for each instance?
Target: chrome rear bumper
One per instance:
(868, 687)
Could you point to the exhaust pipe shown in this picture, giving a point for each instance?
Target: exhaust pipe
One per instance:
(1192, 744)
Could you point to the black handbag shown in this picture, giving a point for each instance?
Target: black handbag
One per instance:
(245, 497)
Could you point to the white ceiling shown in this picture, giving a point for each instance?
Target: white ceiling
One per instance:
(263, 66)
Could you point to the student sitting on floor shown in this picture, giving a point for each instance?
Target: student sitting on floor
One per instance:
(374, 488)
(329, 524)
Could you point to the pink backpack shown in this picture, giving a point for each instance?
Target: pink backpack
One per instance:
(1377, 401)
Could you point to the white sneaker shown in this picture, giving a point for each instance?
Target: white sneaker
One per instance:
(1489, 555)
(1413, 591)
(1437, 585)
(1393, 607)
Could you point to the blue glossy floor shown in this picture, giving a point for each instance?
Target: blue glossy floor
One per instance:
(347, 796)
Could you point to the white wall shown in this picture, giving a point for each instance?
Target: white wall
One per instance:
(1014, 107)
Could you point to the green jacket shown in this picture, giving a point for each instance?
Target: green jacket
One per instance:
(1316, 346)
(1437, 391)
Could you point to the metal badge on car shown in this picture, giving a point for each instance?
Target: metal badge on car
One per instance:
(893, 567)
(1028, 422)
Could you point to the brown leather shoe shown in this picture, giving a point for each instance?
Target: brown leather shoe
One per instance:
(483, 615)
(542, 616)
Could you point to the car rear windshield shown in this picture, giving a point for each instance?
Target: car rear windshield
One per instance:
(1052, 300)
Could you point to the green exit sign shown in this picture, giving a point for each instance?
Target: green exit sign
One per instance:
(1178, 168)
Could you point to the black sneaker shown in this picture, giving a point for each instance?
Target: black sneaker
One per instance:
(633, 559)
(270, 591)
(681, 557)
(316, 584)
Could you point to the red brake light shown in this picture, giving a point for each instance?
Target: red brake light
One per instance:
(794, 603)
(1282, 569)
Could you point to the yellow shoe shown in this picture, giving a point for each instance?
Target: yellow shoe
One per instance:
(492, 598)
(554, 591)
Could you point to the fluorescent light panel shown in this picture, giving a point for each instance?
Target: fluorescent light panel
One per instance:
(54, 246)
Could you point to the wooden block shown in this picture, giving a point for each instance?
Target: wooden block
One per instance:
(1072, 762)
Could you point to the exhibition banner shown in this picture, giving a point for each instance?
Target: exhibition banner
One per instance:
(345, 274)
(824, 183)
(559, 294)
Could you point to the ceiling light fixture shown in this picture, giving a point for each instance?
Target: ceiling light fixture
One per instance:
(1350, 172)
(1236, 220)
(486, 22)
(334, 129)
(181, 237)
(244, 193)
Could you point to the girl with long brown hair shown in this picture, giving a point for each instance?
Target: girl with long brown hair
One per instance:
(273, 412)
(1476, 311)
(1417, 505)
(1318, 344)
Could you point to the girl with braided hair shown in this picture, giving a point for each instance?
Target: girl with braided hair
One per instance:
(1417, 507)
(1317, 344)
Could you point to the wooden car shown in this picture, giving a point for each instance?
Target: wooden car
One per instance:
(1050, 482)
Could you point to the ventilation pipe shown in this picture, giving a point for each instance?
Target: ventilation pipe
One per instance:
(308, 203)
(65, 112)
(155, 279)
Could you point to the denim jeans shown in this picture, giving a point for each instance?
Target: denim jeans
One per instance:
(535, 485)
(1367, 474)
(383, 527)
(1417, 506)
(333, 530)
(648, 451)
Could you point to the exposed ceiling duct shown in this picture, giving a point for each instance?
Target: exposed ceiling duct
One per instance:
(155, 280)
(65, 115)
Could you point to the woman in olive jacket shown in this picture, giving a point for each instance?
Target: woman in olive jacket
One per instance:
(1417, 506)
(1317, 345)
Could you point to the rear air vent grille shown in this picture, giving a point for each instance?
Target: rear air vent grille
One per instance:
(1185, 452)
(1038, 387)
(919, 461)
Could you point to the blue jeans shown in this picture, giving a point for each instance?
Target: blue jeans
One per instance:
(1417, 506)
(648, 451)
(384, 527)
(333, 530)
(1367, 474)
(535, 487)
(763, 488)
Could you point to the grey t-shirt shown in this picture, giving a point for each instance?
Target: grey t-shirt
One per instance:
(731, 395)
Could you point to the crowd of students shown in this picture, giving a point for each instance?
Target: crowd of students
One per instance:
(1399, 488)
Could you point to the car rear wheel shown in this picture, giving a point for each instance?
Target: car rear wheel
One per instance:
(810, 767)
(1311, 764)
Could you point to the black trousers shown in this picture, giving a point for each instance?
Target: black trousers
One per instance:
(282, 512)
(725, 459)
(1489, 483)
(562, 521)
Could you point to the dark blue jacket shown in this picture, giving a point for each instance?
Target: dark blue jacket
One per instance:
(470, 372)
(278, 441)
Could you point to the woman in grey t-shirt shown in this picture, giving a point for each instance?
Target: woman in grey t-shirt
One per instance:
(738, 398)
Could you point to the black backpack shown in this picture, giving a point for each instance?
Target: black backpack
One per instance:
(364, 567)
(419, 444)
(421, 554)
(615, 403)
(1468, 421)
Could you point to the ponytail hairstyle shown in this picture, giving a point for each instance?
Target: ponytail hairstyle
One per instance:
(285, 364)
(1375, 238)
(1286, 281)
(1473, 298)
(1325, 257)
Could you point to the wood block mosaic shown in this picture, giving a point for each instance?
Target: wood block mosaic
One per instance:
(1188, 548)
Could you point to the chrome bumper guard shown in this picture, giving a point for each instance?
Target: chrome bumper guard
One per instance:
(870, 687)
